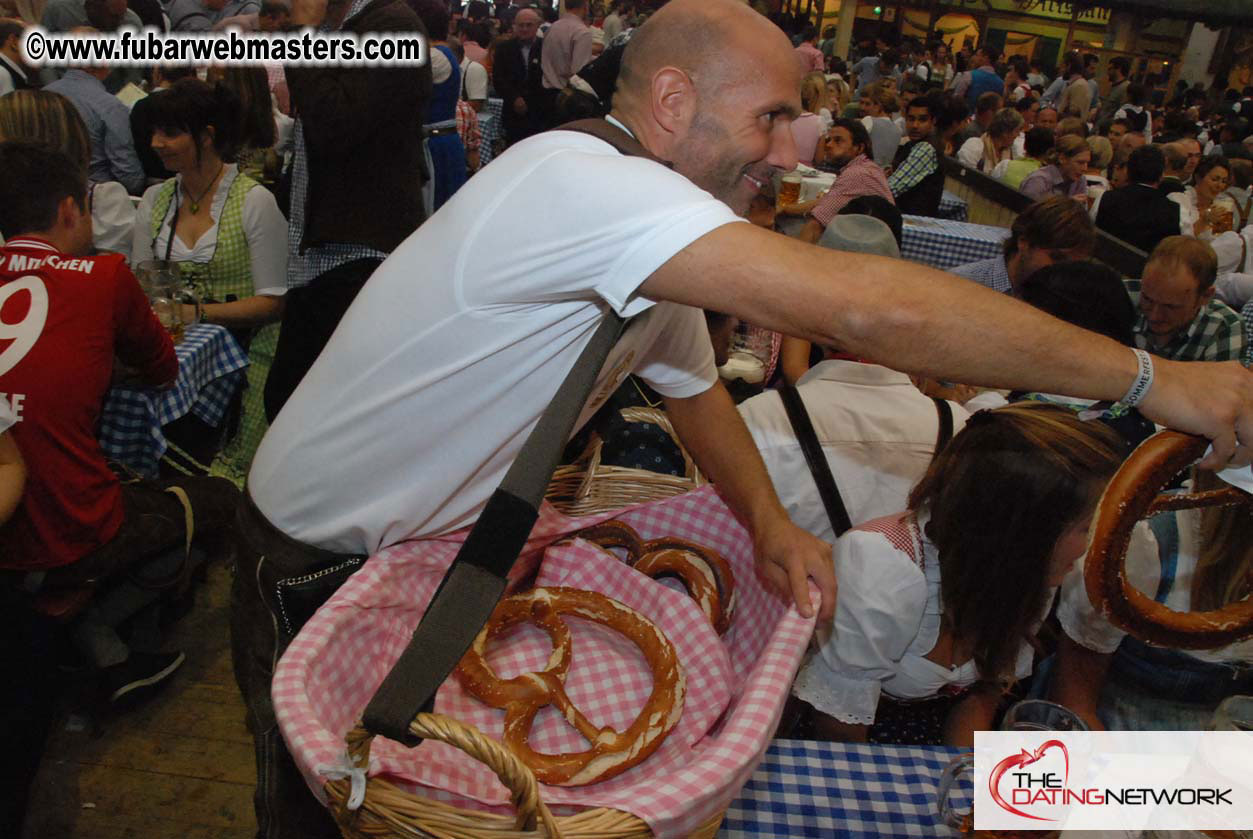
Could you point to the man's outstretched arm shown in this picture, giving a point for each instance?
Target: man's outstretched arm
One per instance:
(922, 321)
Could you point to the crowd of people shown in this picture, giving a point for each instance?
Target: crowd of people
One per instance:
(407, 314)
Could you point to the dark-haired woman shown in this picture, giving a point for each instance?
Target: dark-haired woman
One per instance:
(256, 155)
(936, 603)
(1204, 211)
(228, 237)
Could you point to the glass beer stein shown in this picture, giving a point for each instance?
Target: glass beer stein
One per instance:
(162, 283)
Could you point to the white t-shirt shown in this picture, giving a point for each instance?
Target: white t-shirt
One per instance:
(112, 218)
(262, 222)
(425, 393)
(473, 81)
(887, 618)
(441, 67)
(971, 152)
(1145, 559)
(877, 432)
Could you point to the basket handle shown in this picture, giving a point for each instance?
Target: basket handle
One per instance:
(513, 773)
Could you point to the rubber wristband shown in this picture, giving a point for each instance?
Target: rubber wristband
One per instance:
(1144, 380)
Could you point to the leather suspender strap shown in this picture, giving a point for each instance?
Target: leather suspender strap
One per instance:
(476, 580)
(945, 433)
(828, 491)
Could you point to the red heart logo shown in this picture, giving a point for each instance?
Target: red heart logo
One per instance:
(1024, 758)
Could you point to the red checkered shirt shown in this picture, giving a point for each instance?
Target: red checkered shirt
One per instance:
(860, 176)
(468, 126)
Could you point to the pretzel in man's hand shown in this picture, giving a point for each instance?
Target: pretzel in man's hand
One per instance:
(1132, 495)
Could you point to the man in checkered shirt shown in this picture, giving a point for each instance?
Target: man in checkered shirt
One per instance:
(917, 181)
(846, 145)
(1179, 318)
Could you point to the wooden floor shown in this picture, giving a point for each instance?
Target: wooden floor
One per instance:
(179, 766)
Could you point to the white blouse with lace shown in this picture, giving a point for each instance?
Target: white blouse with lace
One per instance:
(887, 618)
(263, 225)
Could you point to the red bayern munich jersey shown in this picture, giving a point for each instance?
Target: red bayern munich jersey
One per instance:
(62, 321)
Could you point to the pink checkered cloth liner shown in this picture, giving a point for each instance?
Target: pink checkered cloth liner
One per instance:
(736, 685)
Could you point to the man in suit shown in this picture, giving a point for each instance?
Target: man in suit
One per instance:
(1139, 213)
(1175, 176)
(13, 73)
(518, 75)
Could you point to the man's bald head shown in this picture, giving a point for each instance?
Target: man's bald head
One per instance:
(713, 41)
(525, 24)
(712, 87)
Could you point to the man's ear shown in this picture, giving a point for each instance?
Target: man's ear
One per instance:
(69, 211)
(1208, 294)
(673, 100)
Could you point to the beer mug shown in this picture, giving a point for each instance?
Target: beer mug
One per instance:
(1041, 715)
(1222, 214)
(162, 284)
(963, 821)
(790, 189)
(1027, 715)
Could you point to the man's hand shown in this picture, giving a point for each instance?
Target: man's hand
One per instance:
(788, 558)
(1214, 400)
(519, 106)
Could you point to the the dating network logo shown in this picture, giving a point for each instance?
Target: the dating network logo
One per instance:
(1113, 780)
(1027, 787)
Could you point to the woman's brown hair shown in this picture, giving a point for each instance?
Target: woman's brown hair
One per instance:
(1000, 495)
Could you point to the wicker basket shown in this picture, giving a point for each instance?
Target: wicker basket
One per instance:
(587, 486)
(584, 487)
(390, 811)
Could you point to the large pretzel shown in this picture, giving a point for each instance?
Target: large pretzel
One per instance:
(521, 697)
(1132, 495)
(705, 574)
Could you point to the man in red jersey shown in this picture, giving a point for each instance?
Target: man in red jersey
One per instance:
(63, 318)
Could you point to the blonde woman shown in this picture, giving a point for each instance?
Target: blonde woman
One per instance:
(1102, 154)
(1064, 174)
(41, 116)
(996, 145)
(808, 127)
(816, 98)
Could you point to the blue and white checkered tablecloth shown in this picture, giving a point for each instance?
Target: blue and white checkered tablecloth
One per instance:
(849, 790)
(943, 244)
(952, 207)
(210, 365)
(492, 126)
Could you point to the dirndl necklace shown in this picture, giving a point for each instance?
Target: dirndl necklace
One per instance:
(194, 203)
